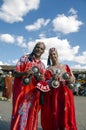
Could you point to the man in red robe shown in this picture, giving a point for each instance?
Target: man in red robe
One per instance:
(26, 96)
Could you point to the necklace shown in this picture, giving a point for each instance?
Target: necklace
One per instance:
(56, 66)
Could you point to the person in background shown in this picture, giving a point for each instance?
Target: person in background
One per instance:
(58, 111)
(7, 93)
(2, 83)
(26, 96)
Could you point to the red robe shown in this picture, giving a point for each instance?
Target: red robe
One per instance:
(8, 87)
(58, 111)
(25, 98)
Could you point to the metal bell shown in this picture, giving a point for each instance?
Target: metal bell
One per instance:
(35, 69)
(66, 76)
(26, 80)
(55, 84)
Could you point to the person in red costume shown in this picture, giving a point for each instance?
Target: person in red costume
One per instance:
(7, 93)
(58, 111)
(26, 96)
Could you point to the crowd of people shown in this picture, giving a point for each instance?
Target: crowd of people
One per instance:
(37, 88)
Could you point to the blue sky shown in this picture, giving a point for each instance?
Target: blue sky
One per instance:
(58, 23)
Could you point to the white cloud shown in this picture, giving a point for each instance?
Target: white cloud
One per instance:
(81, 58)
(72, 11)
(38, 24)
(78, 66)
(15, 61)
(67, 24)
(42, 35)
(21, 41)
(66, 52)
(13, 10)
(7, 38)
(17, 40)
(4, 63)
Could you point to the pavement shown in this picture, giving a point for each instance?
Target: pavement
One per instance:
(80, 106)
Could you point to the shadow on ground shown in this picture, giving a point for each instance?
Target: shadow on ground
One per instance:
(5, 125)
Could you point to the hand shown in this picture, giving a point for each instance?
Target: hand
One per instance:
(71, 79)
(55, 77)
(40, 77)
(29, 72)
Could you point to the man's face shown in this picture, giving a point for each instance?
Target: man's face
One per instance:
(39, 49)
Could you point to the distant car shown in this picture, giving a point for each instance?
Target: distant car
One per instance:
(81, 78)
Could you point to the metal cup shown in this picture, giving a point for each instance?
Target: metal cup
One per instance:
(35, 69)
(36, 73)
(71, 85)
(55, 84)
(26, 80)
(66, 76)
(58, 71)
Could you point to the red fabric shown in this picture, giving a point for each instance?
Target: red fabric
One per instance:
(8, 87)
(25, 99)
(58, 111)
(43, 86)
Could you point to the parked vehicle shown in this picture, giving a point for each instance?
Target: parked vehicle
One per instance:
(80, 84)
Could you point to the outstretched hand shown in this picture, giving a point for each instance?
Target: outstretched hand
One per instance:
(29, 72)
